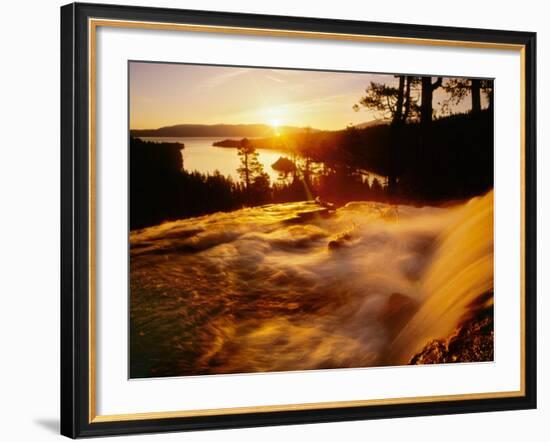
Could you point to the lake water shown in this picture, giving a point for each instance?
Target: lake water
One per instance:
(200, 155)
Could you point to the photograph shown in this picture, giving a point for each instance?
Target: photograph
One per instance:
(285, 219)
(269, 219)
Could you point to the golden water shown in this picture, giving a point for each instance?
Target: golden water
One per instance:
(291, 287)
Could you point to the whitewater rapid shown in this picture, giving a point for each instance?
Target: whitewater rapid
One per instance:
(296, 286)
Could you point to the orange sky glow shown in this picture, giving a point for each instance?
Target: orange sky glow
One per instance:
(166, 94)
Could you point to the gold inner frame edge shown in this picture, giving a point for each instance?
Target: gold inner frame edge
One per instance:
(92, 28)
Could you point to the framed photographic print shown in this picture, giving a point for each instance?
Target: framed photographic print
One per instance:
(279, 220)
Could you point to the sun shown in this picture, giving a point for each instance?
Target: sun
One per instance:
(275, 123)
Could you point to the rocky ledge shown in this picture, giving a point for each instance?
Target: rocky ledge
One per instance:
(472, 342)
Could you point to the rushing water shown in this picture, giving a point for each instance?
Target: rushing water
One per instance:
(199, 155)
(294, 286)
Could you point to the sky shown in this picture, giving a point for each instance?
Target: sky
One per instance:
(166, 94)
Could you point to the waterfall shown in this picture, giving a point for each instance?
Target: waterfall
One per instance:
(458, 281)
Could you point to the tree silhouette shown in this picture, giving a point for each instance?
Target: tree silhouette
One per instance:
(459, 88)
(475, 86)
(307, 147)
(252, 172)
(284, 166)
(426, 106)
(260, 192)
(487, 89)
(250, 165)
(396, 104)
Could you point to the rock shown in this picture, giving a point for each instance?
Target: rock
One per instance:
(472, 342)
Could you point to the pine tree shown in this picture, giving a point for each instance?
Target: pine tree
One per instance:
(250, 167)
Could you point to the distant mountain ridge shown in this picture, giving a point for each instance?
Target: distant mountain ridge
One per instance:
(377, 122)
(215, 130)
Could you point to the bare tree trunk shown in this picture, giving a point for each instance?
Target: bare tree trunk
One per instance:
(426, 106)
(407, 99)
(246, 171)
(395, 135)
(397, 116)
(426, 116)
(476, 95)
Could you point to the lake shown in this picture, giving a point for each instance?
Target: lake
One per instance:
(200, 155)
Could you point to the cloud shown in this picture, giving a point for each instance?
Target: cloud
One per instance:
(225, 77)
(275, 79)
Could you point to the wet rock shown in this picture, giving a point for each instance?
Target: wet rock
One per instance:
(472, 342)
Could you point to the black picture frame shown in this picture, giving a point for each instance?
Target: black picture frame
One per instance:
(75, 220)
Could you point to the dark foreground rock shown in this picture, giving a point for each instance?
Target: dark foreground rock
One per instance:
(473, 342)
